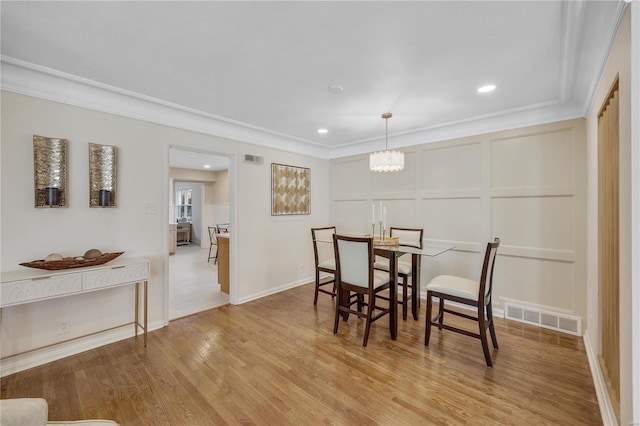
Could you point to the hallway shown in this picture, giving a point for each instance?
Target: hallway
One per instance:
(193, 282)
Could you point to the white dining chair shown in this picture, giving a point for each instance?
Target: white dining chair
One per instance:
(355, 273)
(409, 237)
(325, 259)
(468, 292)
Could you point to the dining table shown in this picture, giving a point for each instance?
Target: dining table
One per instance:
(393, 252)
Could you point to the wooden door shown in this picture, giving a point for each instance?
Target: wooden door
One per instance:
(609, 243)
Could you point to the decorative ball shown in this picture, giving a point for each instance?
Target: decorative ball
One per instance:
(92, 254)
(53, 256)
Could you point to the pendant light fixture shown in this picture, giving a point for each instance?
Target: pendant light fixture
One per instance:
(386, 161)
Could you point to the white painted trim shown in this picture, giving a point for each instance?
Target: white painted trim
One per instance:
(46, 83)
(604, 402)
(275, 290)
(45, 355)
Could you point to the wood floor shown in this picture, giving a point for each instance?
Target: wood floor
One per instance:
(276, 361)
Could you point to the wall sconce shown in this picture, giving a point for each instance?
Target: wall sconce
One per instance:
(50, 171)
(102, 175)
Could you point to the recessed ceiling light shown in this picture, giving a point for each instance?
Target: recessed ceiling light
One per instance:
(323, 131)
(335, 89)
(207, 166)
(487, 88)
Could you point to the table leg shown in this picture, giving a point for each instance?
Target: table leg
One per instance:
(393, 295)
(145, 312)
(415, 277)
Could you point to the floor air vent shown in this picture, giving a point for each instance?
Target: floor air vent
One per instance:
(551, 320)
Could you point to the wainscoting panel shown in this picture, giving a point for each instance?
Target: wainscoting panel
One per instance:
(455, 219)
(455, 167)
(526, 186)
(396, 183)
(538, 159)
(548, 221)
(542, 282)
(348, 177)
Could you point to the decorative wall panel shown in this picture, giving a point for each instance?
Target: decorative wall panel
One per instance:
(452, 219)
(349, 178)
(290, 190)
(50, 171)
(102, 175)
(455, 167)
(552, 216)
(538, 160)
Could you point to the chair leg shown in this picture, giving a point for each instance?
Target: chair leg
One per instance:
(315, 297)
(209, 257)
(370, 305)
(483, 338)
(492, 330)
(338, 304)
(440, 313)
(427, 328)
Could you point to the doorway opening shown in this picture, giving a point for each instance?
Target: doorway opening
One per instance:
(199, 199)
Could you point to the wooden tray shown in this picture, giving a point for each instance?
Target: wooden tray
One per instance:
(388, 241)
(55, 265)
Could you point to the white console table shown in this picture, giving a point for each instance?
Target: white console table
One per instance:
(35, 285)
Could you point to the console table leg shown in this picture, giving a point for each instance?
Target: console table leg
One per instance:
(135, 321)
(145, 312)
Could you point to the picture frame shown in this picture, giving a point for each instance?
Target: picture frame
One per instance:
(290, 190)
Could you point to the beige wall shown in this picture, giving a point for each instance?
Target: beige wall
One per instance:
(618, 64)
(138, 226)
(526, 186)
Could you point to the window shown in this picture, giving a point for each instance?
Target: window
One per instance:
(183, 204)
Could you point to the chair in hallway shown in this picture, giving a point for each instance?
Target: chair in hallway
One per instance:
(213, 241)
(355, 273)
(325, 260)
(410, 237)
(467, 292)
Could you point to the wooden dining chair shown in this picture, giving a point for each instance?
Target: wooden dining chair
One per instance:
(467, 292)
(410, 237)
(213, 241)
(325, 259)
(355, 273)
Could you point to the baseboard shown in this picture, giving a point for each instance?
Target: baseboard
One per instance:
(604, 402)
(42, 356)
(275, 290)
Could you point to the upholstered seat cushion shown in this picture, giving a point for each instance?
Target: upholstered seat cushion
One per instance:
(454, 286)
(23, 411)
(34, 411)
(328, 264)
(383, 265)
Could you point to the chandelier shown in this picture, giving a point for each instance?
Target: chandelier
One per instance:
(386, 161)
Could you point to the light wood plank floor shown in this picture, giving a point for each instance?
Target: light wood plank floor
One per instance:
(193, 282)
(276, 361)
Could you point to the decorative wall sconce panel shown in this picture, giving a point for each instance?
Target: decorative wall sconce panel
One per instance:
(102, 175)
(50, 171)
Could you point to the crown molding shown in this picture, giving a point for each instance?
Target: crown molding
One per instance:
(41, 82)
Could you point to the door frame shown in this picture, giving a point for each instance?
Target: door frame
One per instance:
(233, 219)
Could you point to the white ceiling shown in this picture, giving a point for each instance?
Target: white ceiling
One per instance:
(266, 65)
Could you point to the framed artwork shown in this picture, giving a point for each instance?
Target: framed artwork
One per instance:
(290, 190)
